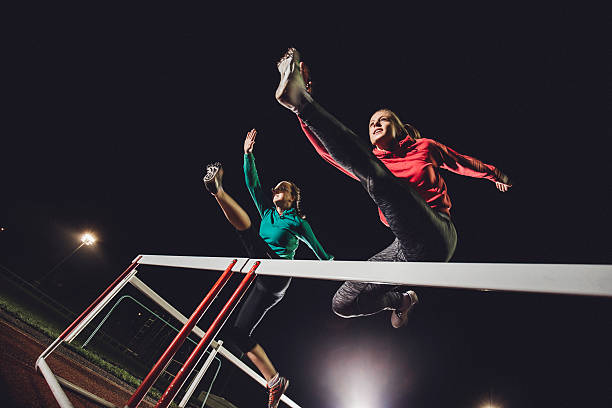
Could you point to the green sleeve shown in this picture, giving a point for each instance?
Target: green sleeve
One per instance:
(309, 238)
(253, 185)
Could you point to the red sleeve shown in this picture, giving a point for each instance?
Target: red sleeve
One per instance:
(322, 151)
(466, 165)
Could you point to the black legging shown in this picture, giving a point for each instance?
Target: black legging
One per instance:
(266, 292)
(422, 234)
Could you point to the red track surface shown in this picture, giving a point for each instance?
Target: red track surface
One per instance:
(21, 386)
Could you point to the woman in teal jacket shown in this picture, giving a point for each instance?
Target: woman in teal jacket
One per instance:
(281, 229)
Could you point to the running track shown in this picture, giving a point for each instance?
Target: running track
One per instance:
(21, 386)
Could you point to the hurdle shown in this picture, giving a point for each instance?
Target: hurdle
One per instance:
(563, 279)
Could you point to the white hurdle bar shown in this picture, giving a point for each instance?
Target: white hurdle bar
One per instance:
(129, 276)
(566, 279)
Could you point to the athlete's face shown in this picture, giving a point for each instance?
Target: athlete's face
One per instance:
(282, 196)
(382, 131)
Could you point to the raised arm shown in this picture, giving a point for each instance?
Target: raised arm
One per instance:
(261, 200)
(309, 238)
(469, 166)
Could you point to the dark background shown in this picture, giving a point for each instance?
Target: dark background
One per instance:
(112, 114)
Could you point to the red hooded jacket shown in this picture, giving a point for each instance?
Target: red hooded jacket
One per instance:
(417, 161)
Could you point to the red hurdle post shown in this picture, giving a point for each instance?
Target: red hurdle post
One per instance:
(212, 331)
(180, 338)
(99, 299)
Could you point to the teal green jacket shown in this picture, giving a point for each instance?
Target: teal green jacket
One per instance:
(282, 233)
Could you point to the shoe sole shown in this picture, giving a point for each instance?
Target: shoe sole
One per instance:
(285, 68)
(209, 177)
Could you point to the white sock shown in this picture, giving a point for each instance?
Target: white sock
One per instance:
(274, 380)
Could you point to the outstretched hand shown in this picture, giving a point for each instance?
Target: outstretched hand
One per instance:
(502, 186)
(503, 182)
(249, 142)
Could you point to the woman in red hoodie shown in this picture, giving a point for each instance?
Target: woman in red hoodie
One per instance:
(401, 175)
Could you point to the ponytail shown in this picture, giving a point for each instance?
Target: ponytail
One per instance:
(404, 129)
(297, 204)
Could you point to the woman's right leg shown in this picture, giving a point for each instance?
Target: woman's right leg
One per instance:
(234, 213)
(421, 231)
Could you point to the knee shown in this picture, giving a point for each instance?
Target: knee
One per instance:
(242, 339)
(341, 307)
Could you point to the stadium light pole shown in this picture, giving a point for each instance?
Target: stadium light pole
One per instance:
(87, 239)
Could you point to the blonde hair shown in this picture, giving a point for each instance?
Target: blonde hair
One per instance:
(403, 129)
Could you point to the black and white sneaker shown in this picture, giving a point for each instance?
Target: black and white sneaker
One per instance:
(212, 178)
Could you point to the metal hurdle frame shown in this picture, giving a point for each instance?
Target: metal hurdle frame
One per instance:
(567, 279)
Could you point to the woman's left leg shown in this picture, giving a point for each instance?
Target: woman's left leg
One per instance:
(266, 293)
(354, 299)
(259, 357)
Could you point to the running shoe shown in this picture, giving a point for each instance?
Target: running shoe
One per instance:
(277, 391)
(212, 178)
(399, 316)
(292, 92)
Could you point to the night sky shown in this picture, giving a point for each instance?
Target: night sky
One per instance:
(111, 116)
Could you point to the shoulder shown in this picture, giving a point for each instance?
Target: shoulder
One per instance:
(424, 142)
(293, 219)
(432, 146)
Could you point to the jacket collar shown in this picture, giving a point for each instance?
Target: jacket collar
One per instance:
(402, 147)
(291, 211)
